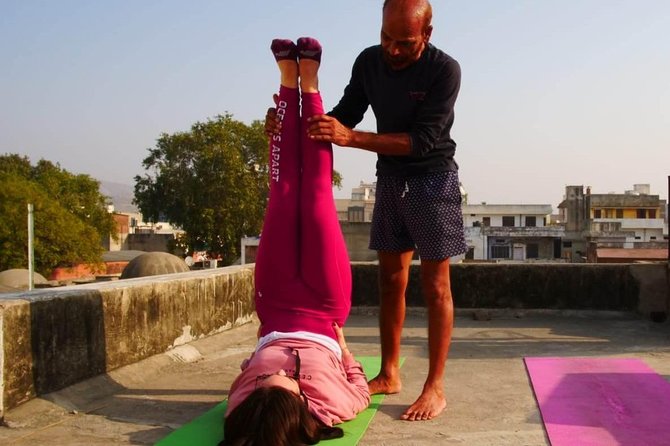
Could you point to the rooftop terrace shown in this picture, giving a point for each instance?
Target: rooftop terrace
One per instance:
(128, 362)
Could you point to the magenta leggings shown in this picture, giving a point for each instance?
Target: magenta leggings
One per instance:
(303, 275)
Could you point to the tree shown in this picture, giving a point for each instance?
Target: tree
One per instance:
(211, 181)
(70, 215)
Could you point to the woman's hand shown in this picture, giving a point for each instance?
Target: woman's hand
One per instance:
(340, 340)
(272, 124)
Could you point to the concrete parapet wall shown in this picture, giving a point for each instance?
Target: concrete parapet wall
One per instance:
(52, 338)
(357, 238)
(618, 287)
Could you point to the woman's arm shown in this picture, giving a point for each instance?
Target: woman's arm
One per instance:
(354, 371)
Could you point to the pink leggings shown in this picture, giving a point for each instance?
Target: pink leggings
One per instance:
(303, 275)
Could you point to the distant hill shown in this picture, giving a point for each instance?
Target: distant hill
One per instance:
(121, 195)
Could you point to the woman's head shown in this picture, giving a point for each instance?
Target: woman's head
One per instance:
(273, 415)
(279, 379)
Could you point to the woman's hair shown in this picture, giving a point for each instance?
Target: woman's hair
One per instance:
(274, 416)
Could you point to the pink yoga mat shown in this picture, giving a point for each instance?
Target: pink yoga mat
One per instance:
(601, 401)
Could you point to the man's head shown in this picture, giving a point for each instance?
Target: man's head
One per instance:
(406, 30)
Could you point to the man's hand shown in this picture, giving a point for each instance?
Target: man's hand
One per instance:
(326, 128)
(272, 124)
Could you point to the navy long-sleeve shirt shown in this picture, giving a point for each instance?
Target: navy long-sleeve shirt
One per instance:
(418, 100)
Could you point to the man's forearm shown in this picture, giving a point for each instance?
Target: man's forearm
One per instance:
(384, 144)
(328, 128)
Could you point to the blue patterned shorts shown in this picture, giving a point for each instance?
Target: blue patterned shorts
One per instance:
(422, 213)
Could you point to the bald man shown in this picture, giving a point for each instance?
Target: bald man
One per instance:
(412, 87)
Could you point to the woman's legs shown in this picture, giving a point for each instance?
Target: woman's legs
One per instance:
(303, 276)
(278, 252)
(324, 261)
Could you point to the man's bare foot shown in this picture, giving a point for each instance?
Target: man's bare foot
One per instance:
(430, 404)
(384, 384)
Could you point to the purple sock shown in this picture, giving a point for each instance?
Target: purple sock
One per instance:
(284, 49)
(309, 48)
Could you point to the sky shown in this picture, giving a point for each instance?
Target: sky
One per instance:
(553, 92)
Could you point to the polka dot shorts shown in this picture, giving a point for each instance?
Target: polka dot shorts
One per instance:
(421, 212)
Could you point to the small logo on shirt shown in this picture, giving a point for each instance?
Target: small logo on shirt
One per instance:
(417, 95)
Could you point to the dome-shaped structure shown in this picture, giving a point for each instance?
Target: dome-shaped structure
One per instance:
(154, 264)
(18, 279)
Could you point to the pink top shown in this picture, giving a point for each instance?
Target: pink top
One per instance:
(336, 390)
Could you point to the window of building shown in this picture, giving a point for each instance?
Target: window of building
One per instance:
(507, 220)
(637, 237)
(567, 244)
(531, 221)
(532, 251)
(356, 214)
(641, 213)
(653, 237)
(619, 213)
(500, 252)
(652, 213)
(597, 213)
(486, 221)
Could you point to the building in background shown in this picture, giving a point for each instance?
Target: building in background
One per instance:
(359, 207)
(249, 249)
(511, 232)
(134, 234)
(595, 223)
(627, 227)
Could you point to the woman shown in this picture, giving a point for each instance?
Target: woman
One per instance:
(302, 379)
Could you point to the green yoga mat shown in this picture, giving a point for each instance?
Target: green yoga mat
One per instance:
(207, 429)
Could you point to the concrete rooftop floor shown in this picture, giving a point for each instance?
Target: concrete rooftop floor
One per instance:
(490, 400)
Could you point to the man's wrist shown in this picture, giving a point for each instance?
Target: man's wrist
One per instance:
(351, 139)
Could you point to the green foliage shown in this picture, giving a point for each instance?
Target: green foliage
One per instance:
(210, 181)
(70, 215)
(337, 179)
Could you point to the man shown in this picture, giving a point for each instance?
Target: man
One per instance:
(412, 87)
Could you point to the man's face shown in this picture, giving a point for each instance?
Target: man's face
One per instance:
(403, 38)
